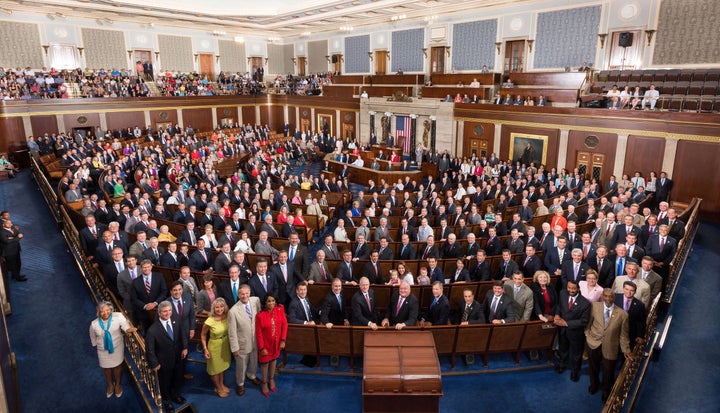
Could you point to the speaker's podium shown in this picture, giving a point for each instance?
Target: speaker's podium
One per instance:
(401, 372)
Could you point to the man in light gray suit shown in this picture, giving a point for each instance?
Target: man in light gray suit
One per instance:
(522, 296)
(649, 276)
(241, 333)
(124, 282)
(263, 247)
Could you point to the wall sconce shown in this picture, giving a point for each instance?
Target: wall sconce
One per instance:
(217, 58)
(196, 56)
(649, 34)
(130, 52)
(267, 59)
(342, 58)
(249, 59)
(497, 46)
(602, 38)
(327, 57)
(447, 51)
(370, 56)
(80, 50)
(293, 60)
(46, 47)
(530, 45)
(157, 55)
(388, 55)
(424, 49)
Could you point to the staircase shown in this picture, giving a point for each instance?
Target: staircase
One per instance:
(73, 90)
(152, 87)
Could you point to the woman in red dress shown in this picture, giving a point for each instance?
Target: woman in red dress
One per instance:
(270, 331)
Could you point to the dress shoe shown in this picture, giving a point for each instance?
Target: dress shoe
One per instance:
(168, 407)
(559, 370)
(178, 400)
(221, 393)
(188, 376)
(272, 386)
(265, 391)
(240, 390)
(118, 390)
(592, 389)
(20, 278)
(256, 381)
(110, 391)
(574, 377)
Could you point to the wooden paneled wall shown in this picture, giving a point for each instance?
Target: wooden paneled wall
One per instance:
(607, 143)
(553, 136)
(696, 174)
(644, 154)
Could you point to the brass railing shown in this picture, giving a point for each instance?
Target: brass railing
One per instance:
(630, 378)
(145, 378)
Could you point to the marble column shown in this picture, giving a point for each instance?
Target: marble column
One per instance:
(668, 164)
(562, 149)
(620, 151)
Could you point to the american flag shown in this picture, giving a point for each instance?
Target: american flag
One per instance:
(403, 129)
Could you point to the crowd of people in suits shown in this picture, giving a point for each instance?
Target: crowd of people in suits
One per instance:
(447, 214)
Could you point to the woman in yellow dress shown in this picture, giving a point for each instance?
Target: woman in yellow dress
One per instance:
(217, 346)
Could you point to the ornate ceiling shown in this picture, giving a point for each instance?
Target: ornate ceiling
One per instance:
(280, 19)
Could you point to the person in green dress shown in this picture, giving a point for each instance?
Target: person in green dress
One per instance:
(215, 343)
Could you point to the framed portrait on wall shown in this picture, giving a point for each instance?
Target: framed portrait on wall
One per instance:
(325, 124)
(528, 148)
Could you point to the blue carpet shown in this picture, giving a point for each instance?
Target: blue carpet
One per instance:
(58, 368)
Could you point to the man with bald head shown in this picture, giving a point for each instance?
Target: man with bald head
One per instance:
(403, 308)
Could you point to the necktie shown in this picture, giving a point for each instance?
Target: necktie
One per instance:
(132, 274)
(662, 243)
(376, 270)
(322, 270)
(517, 290)
(585, 251)
(119, 266)
(607, 316)
(560, 255)
(627, 304)
(620, 266)
(402, 251)
(109, 247)
(180, 308)
(494, 304)
(425, 254)
(576, 271)
(367, 299)
(93, 232)
(147, 285)
(192, 238)
(599, 264)
(399, 305)
(526, 261)
(190, 287)
(284, 271)
(155, 253)
(466, 313)
(263, 280)
(339, 300)
(307, 308)
(202, 252)
(570, 303)
(292, 253)
(435, 301)
(235, 291)
(169, 330)
(248, 310)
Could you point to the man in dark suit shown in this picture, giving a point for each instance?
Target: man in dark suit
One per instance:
(364, 312)
(10, 237)
(439, 311)
(621, 231)
(384, 251)
(146, 292)
(286, 278)
(573, 314)
(297, 253)
(189, 234)
(183, 308)
(104, 249)
(451, 249)
(153, 252)
(480, 270)
(170, 259)
(262, 283)
(556, 256)
(575, 268)
(635, 309)
(406, 228)
(507, 267)
(230, 288)
(407, 250)
(497, 307)
(403, 308)
(167, 344)
(604, 267)
(469, 310)
(663, 186)
(430, 249)
(223, 259)
(372, 269)
(201, 259)
(676, 228)
(530, 262)
(494, 245)
(344, 270)
(299, 310)
(333, 307)
(90, 235)
(662, 248)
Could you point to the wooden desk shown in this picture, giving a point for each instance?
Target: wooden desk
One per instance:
(401, 372)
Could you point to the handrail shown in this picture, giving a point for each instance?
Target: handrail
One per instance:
(144, 377)
(632, 374)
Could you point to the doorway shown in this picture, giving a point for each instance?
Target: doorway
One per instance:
(206, 65)
(514, 56)
(591, 165)
(144, 57)
(628, 56)
(256, 68)
(437, 60)
(337, 63)
(381, 58)
(301, 63)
